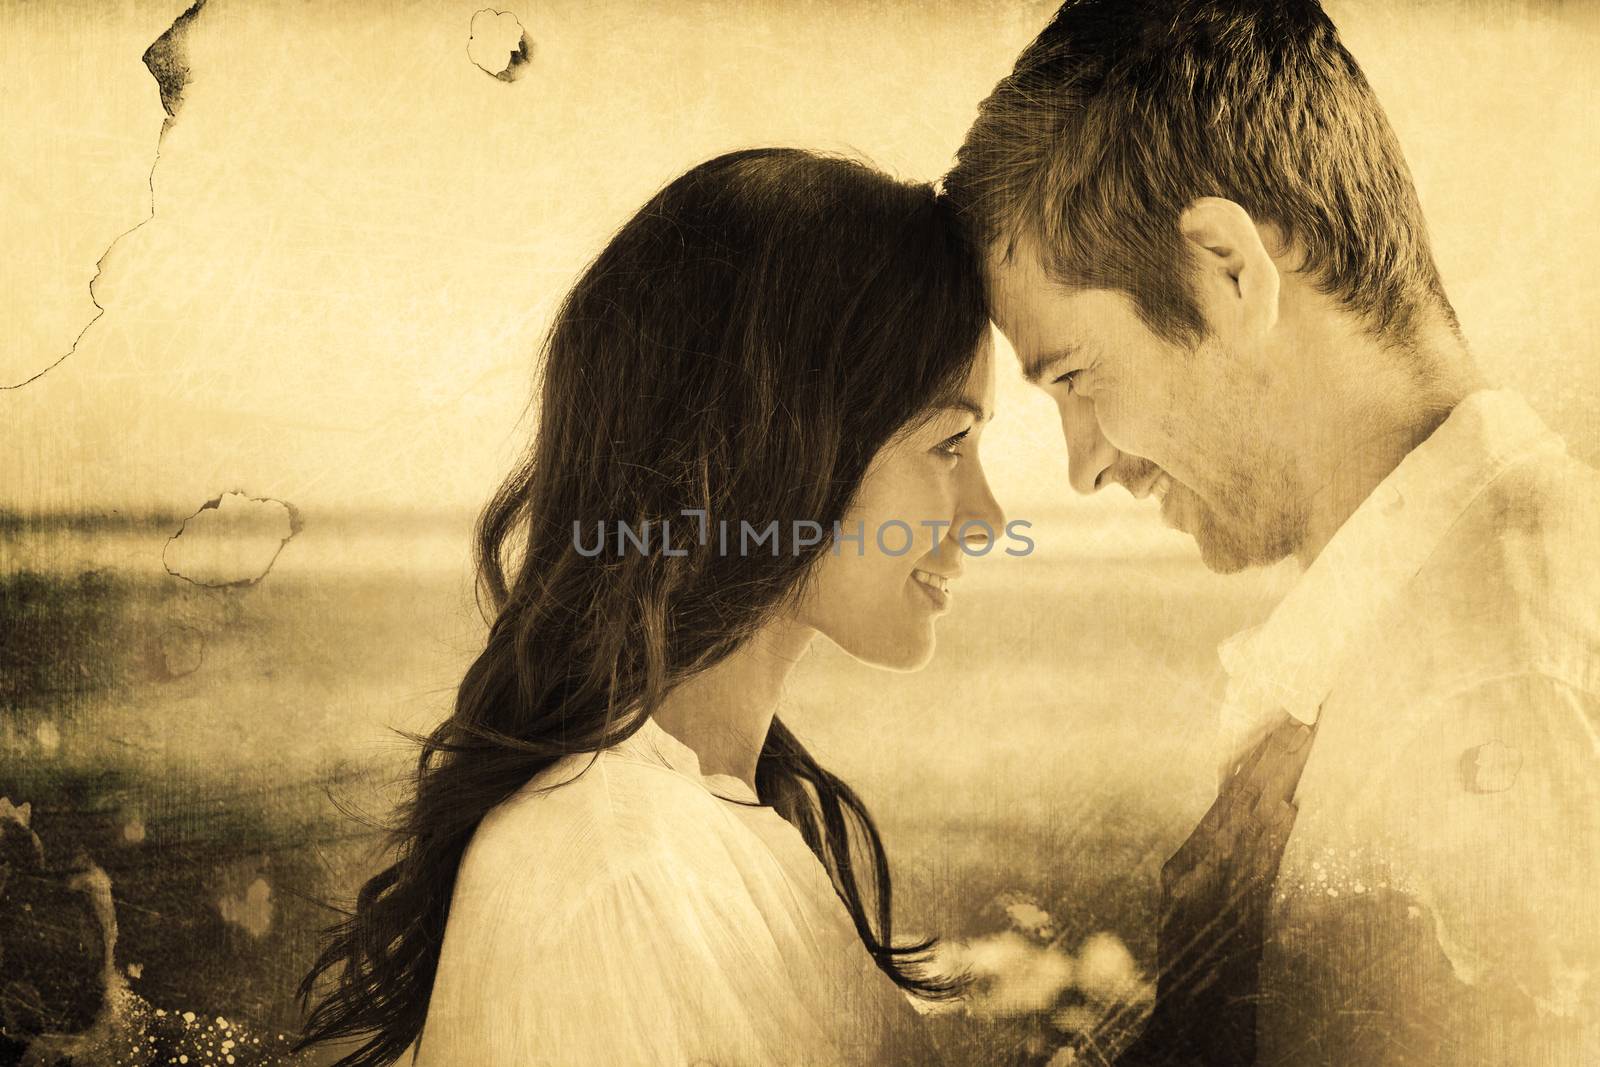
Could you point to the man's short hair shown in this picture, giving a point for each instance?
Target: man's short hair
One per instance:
(1122, 112)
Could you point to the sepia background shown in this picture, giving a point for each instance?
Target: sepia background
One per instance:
(290, 306)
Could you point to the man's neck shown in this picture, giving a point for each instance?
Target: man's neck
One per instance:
(1377, 426)
(724, 712)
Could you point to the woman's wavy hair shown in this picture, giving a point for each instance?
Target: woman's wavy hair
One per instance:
(743, 347)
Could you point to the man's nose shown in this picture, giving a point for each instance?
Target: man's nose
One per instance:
(1089, 455)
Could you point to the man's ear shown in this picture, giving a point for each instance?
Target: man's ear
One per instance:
(1232, 256)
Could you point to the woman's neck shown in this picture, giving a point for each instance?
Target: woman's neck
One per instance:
(723, 713)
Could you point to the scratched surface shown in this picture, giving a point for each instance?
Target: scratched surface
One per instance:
(272, 277)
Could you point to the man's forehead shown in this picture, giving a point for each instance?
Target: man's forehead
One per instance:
(1021, 295)
(1015, 260)
(1016, 279)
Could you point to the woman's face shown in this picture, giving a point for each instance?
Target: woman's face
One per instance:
(877, 596)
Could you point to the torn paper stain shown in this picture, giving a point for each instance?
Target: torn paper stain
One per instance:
(167, 61)
(231, 541)
(178, 650)
(497, 43)
(1490, 768)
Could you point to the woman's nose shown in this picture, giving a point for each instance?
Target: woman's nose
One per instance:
(980, 516)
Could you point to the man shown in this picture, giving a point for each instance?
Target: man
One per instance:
(1203, 241)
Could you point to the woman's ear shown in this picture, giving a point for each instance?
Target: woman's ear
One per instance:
(1237, 275)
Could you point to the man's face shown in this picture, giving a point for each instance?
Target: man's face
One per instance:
(1189, 426)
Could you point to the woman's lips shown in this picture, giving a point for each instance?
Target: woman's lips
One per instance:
(936, 586)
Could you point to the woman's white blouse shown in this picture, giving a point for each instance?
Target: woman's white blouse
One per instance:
(641, 913)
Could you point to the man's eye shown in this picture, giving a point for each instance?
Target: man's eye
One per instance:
(1067, 379)
(951, 446)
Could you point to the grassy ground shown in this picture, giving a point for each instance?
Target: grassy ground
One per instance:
(187, 739)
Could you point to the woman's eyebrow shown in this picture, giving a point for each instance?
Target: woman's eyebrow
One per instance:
(972, 406)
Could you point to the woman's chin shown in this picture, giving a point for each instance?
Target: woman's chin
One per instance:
(900, 653)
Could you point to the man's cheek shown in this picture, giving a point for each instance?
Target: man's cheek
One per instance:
(1121, 428)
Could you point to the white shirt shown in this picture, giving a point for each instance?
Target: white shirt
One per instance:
(641, 913)
(1439, 899)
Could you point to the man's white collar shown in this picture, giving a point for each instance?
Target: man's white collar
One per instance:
(1290, 662)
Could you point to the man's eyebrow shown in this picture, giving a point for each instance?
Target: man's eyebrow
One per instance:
(1034, 367)
(963, 404)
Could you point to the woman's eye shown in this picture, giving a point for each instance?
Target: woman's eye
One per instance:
(1067, 379)
(951, 446)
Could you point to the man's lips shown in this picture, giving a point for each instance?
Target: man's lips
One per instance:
(1156, 484)
(1159, 484)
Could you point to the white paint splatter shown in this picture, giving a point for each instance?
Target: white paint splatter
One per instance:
(1028, 918)
(1012, 975)
(48, 736)
(1108, 974)
(250, 910)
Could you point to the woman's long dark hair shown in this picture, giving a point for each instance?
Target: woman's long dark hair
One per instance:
(743, 347)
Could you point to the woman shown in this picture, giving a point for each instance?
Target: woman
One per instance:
(615, 853)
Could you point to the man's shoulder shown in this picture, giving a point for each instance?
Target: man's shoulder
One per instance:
(1510, 589)
(1546, 499)
(1522, 552)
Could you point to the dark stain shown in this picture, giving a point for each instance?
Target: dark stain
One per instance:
(177, 651)
(167, 60)
(55, 944)
(68, 640)
(111, 946)
(61, 642)
(520, 60)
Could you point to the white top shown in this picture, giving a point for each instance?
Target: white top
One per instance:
(641, 913)
(1437, 900)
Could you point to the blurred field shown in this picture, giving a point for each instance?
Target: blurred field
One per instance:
(1057, 747)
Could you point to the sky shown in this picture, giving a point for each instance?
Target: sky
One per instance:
(359, 236)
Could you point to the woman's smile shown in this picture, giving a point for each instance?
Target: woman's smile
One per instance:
(935, 586)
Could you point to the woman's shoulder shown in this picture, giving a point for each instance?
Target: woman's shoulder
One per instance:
(592, 818)
(634, 892)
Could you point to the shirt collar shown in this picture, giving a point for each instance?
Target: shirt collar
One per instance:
(654, 745)
(1290, 662)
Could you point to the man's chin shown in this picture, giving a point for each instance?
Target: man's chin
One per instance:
(1225, 554)
(1224, 562)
